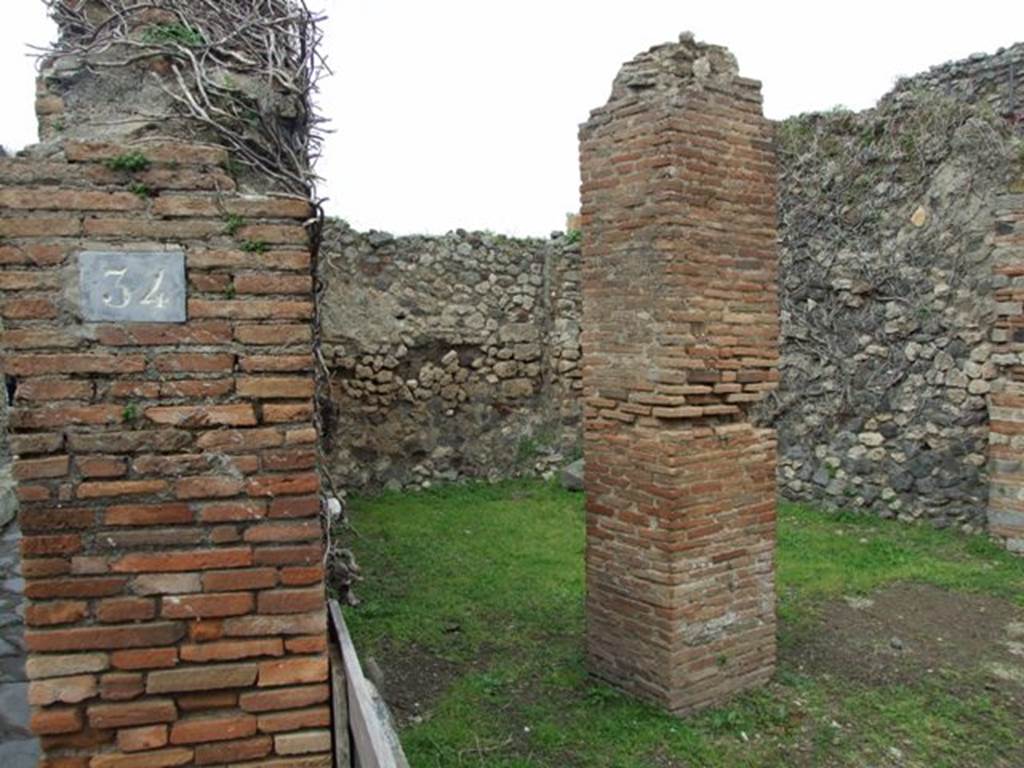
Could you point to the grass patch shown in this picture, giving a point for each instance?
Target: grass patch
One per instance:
(490, 579)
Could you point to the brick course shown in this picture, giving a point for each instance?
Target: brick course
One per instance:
(151, 463)
(680, 337)
(1006, 401)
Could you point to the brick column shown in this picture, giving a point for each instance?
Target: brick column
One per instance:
(1006, 403)
(680, 322)
(166, 472)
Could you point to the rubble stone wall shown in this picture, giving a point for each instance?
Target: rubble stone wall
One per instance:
(450, 357)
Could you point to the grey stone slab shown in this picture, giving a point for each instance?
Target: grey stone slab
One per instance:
(132, 286)
(19, 753)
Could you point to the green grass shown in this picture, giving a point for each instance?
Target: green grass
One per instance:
(490, 579)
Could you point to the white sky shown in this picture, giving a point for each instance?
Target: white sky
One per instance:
(463, 113)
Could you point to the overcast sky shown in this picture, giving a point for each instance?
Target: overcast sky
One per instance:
(463, 113)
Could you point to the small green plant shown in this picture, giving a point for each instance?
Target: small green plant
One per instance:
(173, 34)
(255, 246)
(230, 292)
(233, 223)
(141, 190)
(132, 162)
(232, 166)
(58, 125)
(573, 236)
(130, 414)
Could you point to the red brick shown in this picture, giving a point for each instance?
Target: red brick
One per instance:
(283, 698)
(294, 720)
(103, 638)
(60, 544)
(283, 413)
(58, 612)
(100, 586)
(151, 229)
(302, 575)
(148, 514)
(115, 488)
(193, 560)
(209, 677)
(236, 440)
(120, 715)
(251, 309)
(118, 610)
(232, 650)
(291, 624)
(203, 415)
(306, 645)
(38, 338)
(174, 153)
(56, 720)
(232, 511)
(45, 417)
(270, 387)
(197, 388)
(229, 751)
(195, 702)
(293, 671)
(63, 199)
(39, 365)
(289, 459)
(195, 362)
(145, 658)
(303, 743)
(304, 436)
(293, 555)
(224, 727)
(284, 485)
(45, 390)
(239, 579)
(28, 309)
(272, 363)
(101, 466)
(264, 283)
(41, 226)
(207, 332)
(273, 335)
(208, 487)
(37, 254)
(295, 506)
(142, 738)
(122, 686)
(305, 530)
(207, 605)
(291, 600)
(160, 758)
(282, 260)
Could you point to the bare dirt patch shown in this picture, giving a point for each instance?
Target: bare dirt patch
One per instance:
(906, 633)
(413, 680)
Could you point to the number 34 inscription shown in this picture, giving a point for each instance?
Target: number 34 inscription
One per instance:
(121, 300)
(133, 287)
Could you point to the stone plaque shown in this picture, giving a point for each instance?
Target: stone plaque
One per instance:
(134, 287)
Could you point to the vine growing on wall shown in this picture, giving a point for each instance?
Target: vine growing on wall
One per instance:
(245, 71)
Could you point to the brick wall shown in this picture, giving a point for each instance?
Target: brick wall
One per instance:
(680, 324)
(1006, 403)
(166, 473)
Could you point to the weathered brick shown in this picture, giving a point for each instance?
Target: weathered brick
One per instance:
(63, 690)
(63, 364)
(170, 513)
(208, 487)
(117, 610)
(63, 199)
(207, 678)
(274, 363)
(305, 554)
(273, 335)
(283, 698)
(291, 600)
(104, 638)
(142, 738)
(158, 758)
(274, 387)
(232, 650)
(122, 686)
(55, 612)
(98, 586)
(196, 416)
(302, 743)
(195, 362)
(299, 530)
(243, 749)
(239, 579)
(251, 309)
(145, 658)
(191, 560)
(210, 728)
(165, 583)
(57, 544)
(28, 309)
(101, 466)
(283, 485)
(291, 624)
(45, 666)
(54, 720)
(282, 260)
(264, 283)
(207, 332)
(302, 575)
(207, 605)
(176, 153)
(294, 720)
(116, 488)
(120, 715)
(292, 671)
(54, 389)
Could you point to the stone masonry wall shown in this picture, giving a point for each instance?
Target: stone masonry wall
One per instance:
(680, 339)
(166, 473)
(450, 357)
(886, 222)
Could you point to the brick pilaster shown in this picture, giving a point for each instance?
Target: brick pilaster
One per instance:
(166, 472)
(680, 338)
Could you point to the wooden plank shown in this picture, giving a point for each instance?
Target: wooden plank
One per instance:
(374, 744)
(339, 707)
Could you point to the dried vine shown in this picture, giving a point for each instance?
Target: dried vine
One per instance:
(246, 71)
